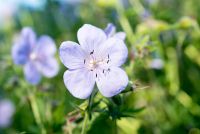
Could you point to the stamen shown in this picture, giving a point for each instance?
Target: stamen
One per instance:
(108, 69)
(103, 71)
(108, 61)
(96, 75)
(84, 61)
(91, 52)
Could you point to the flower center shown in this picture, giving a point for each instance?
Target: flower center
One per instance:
(93, 63)
(33, 56)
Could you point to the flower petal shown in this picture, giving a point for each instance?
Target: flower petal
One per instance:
(90, 37)
(28, 36)
(72, 55)
(80, 82)
(46, 46)
(20, 53)
(22, 48)
(110, 30)
(116, 49)
(48, 67)
(7, 109)
(112, 82)
(120, 35)
(31, 73)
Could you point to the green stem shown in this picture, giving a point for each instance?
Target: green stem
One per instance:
(124, 22)
(116, 131)
(84, 123)
(36, 113)
(87, 114)
(137, 6)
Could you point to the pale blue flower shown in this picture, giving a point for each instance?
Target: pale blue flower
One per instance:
(36, 56)
(6, 111)
(97, 59)
(156, 64)
(110, 31)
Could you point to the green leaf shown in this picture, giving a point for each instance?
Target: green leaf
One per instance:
(102, 125)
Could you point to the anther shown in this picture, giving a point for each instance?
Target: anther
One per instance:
(96, 75)
(108, 56)
(108, 61)
(91, 52)
(84, 61)
(103, 70)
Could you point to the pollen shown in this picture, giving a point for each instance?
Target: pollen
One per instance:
(93, 64)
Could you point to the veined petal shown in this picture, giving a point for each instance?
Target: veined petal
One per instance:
(31, 73)
(72, 55)
(45, 46)
(80, 82)
(90, 37)
(112, 82)
(120, 35)
(48, 67)
(116, 49)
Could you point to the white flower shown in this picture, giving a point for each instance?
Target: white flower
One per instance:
(97, 59)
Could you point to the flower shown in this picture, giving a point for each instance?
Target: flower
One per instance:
(6, 111)
(97, 59)
(156, 64)
(36, 56)
(110, 31)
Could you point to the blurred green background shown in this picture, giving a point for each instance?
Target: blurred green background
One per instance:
(163, 38)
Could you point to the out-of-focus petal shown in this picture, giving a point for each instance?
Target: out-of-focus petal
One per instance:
(45, 46)
(28, 36)
(20, 53)
(80, 82)
(112, 82)
(90, 37)
(72, 55)
(156, 64)
(31, 73)
(120, 35)
(48, 67)
(116, 50)
(110, 30)
(23, 46)
(6, 111)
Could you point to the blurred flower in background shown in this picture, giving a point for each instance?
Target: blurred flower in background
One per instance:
(33, 4)
(9, 8)
(36, 56)
(151, 1)
(156, 64)
(7, 109)
(72, 1)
